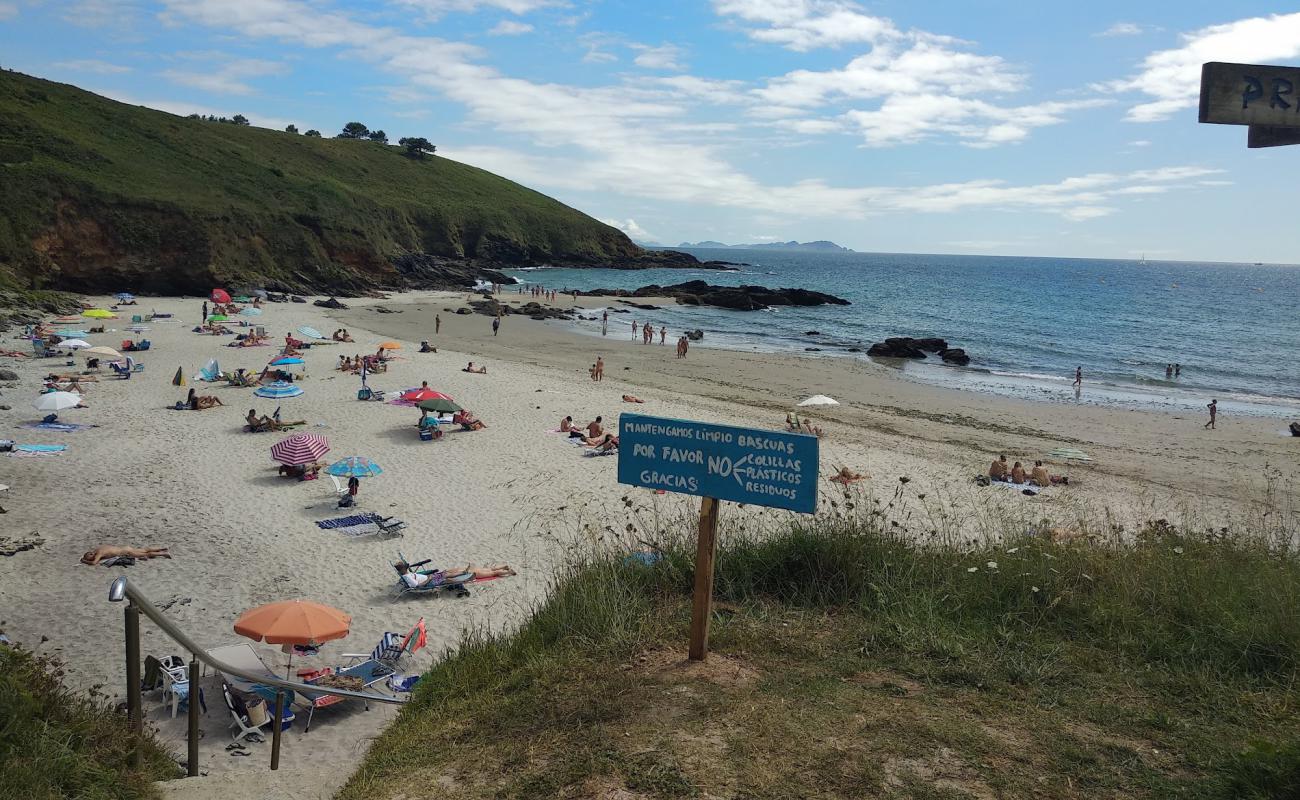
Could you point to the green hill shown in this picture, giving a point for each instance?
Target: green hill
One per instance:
(102, 196)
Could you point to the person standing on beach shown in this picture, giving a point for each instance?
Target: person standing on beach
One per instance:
(1078, 376)
(496, 325)
(205, 311)
(634, 327)
(1178, 370)
(600, 368)
(663, 334)
(1213, 405)
(437, 324)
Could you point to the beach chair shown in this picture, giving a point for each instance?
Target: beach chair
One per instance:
(369, 672)
(242, 721)
(393, 647)
(120, 370)
(452, 584)
(39, 348)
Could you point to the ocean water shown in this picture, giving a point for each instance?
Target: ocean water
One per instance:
(1025, 322)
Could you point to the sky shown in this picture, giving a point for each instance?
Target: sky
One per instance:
(1013, 128)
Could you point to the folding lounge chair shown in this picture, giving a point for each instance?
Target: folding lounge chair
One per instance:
(393, 647)
(239, 714)
(453, 584)
(368, 672)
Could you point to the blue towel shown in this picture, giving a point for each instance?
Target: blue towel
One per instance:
(57, 426)
(41, 448)
(347, 522)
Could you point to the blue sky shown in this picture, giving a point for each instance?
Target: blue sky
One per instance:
(957, 127)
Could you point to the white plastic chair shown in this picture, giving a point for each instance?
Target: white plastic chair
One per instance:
(176, 686)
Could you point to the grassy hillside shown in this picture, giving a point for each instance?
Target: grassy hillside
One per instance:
(57, 744)
(103, 196)
(850, 662)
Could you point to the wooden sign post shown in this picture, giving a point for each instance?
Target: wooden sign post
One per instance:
(716, 463)
(1265, 98)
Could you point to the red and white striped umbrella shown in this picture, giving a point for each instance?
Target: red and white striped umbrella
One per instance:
(299, 449)
(421, 394)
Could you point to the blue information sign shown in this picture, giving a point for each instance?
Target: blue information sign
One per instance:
(743, 465)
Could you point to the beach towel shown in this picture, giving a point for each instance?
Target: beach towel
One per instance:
(39, 449)
(346, 522)
(57, 426)
(596, 451)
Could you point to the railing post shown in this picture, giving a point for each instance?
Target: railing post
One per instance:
(192, 763)
(276, 724)
(134, 716)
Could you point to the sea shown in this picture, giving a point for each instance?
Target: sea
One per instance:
(1026, 323)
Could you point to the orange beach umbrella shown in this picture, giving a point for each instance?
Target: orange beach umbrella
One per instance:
(293, 622)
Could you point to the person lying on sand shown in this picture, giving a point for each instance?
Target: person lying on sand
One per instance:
(198, 402)
(416, 579)
(609, 442)
(265, 423)
(998, 469)
(93, 557)
(847, 476)
(631, 398)
(474, 369)
(811, 429)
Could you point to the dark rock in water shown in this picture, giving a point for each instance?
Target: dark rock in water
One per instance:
(695, 335)
(1295, 428)
(955, 355)
(642, 306)
(812, 333)
(330, 303)
(907, 347)
(296, 299)
(812, 349)
(491, 307)
(620, 311)
(8, 375)
(854, 350)
(739, 298)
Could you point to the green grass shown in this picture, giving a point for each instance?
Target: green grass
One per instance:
(850, 662)
(58, 744)
(100, 195)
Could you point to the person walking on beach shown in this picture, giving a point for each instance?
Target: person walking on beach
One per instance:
(634, 327)
(1078, 377)
(496, 325)
(1213, 405)
(600, 369)
(663, 334)
(437, 324)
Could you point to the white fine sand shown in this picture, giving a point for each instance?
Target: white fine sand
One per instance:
(241, 536)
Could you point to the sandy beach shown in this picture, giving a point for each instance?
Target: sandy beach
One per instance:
(514, 492)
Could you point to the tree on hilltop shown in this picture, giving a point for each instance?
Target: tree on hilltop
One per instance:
(291, 128)
(354, 130)
(417, 146)
(379, 136)
(312, 132)
(239, 119)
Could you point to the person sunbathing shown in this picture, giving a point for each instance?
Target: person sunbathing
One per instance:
(609, 442)
(425, 347)
(811, 429)
(93, 557)
(630, 398)
(418, 578)
(476, 370)
(566, 425)
(345, 336)
(1018, 473)
(467, 420)
(1038, 475)
(847, 476)
(998, 469)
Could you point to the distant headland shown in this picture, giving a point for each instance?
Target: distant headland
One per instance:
(821, 245)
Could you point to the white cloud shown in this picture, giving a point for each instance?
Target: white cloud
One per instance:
(597, 56)
(229, 78)
(714, 92)
(436, 8)
(665, 56)
(507, 27)
(633, 230)
(1140, 143)
(610, 139)
(92, 65)
(8, 10)
(1172, 78)
(807, 24)
(100, 13)
(1122, 29)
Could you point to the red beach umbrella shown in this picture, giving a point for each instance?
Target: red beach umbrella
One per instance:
(220, 296)
(420, 395)
(299, 449)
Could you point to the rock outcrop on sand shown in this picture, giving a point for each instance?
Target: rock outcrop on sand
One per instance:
(489, 307)
(907, 347)
(738, 298)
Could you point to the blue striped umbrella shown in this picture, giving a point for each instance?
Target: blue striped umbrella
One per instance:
(311, 333)
(354, 467)
(278, 390)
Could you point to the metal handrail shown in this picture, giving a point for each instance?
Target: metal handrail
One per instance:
(124, 589)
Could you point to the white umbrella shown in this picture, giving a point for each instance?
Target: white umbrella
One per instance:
(819, 400)
(101, 352)
(73, 343)
(57, 401)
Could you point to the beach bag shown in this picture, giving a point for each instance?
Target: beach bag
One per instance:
(363, 394)
(257, 715)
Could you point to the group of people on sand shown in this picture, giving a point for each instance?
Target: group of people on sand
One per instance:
(358, 362)
(592, 434)
(1037, 476)
(796, 425)
(683, 344)
(249, 340)
(648, 333)
(341, 335)
(598, 369)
